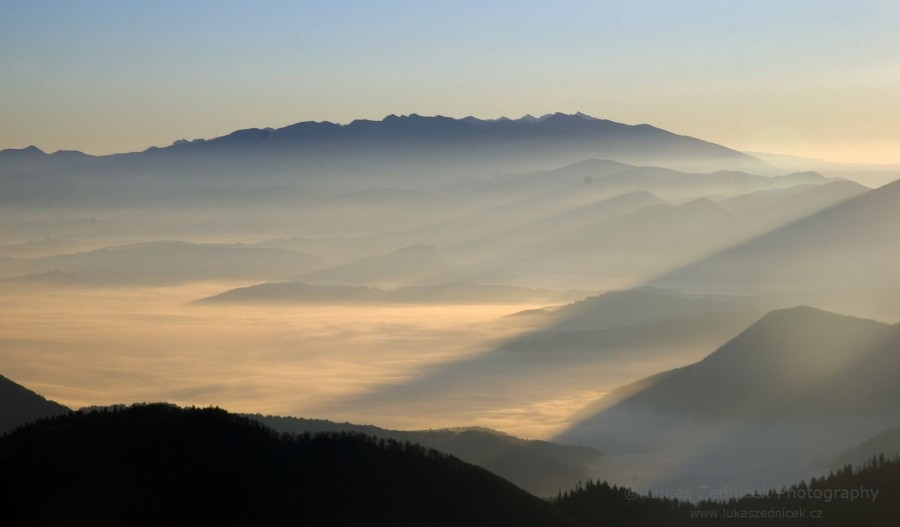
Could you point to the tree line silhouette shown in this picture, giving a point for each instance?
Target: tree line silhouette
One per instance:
(157, 464)
(864, 495)
(161, 465)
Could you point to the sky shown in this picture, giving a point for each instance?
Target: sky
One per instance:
(811, 78)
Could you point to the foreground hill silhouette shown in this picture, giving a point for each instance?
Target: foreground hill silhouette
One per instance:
(161, 465)
(19, 405)
(539, 467)
(823, 501)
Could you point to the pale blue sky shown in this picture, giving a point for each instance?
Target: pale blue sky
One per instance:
(807, 77)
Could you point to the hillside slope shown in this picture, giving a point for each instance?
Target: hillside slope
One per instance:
(160, 465)
(19, 405)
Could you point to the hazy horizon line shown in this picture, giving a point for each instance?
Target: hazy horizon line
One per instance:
(530, 116)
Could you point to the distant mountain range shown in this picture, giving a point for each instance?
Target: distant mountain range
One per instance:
(844, 257)
(698, 248)
(870, 174)
(635, 237)
(460, 293)
(408, 151)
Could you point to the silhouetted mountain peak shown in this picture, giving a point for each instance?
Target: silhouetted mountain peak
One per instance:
(800, 314)
(69, 154)
(527, 119)
(701, 205)
(28, 151)
(556, 116)
(19, 405)
(560, 119)
(187, 141)
(804, 177)
(605, 165)
(799, 328)
(788, 363)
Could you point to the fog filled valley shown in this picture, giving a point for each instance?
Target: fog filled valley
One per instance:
(554, 299)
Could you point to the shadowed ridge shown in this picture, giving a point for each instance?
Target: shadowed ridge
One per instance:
(19, 405)
(169, 262)
(458, 293)
(775, 403)
(886, 443)
(540, 467)
(592, 167)
(842, 258)
(405, 266)
(765, 368)
(160, 465)
(808, 176)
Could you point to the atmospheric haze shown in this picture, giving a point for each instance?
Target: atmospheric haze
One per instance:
(660, 310)
(390, 273)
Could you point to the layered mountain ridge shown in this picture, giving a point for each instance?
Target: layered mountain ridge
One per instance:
(410, 145)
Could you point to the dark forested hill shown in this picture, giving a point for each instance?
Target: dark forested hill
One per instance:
(161, 465)
(864, 496)
(539, 467)
(19, 405)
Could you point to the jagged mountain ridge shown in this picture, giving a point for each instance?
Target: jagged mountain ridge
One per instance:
(406, 145)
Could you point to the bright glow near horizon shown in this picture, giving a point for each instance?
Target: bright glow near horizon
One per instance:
(811, 78)
(282, 360)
